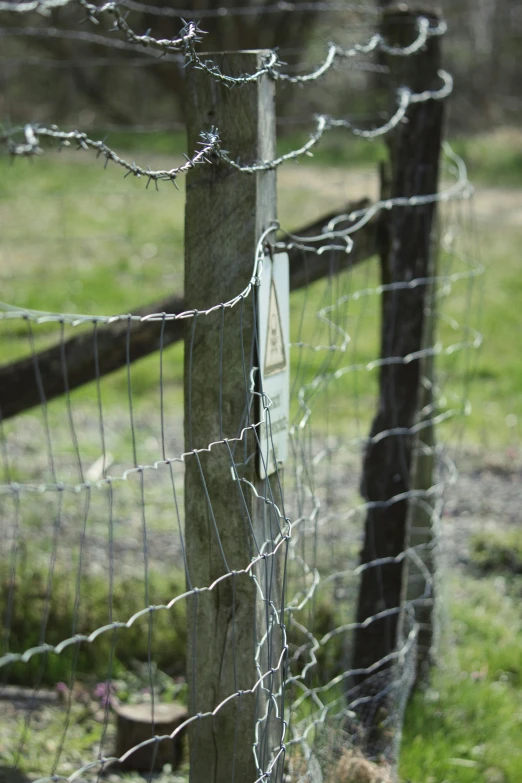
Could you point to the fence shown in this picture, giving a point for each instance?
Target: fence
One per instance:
(300, 652)
(114, 83)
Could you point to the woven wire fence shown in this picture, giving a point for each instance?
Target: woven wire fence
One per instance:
(113, 562)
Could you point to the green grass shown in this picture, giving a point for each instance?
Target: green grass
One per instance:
(495, 391)
(78, 239)
(31, 745)
(334, 151)
(495, 370)
(493, 158)
(70, 608)
(467, 727)
(115, 246)
(498, 551)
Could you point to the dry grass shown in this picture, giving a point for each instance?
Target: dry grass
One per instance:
(353, 767)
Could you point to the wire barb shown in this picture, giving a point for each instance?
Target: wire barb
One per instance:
(209, 145)
(115, 507)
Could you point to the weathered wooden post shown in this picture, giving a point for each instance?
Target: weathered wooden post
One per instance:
(406, 254)
(226, 525)
(419, 577)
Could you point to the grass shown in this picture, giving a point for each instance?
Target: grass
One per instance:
(497, 367)
(71, 608)
(79, 239)
(80, 726)
(466, 727)
(41, 740)
(493, 158)
(115, 246)
(498, 551)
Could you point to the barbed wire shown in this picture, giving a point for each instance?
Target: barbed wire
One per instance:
(139, 61)
(324, 123)
(41, 6)
(189, 32)
(211, 150)
(209, 146)
(271, 68)
(460, 190)
(272, 64)
(355, 220)
(288, 562)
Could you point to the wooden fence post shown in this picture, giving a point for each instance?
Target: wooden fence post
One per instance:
(406, 254)
(419, 578)
(225, 524)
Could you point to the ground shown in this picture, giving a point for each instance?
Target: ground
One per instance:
(471, 711)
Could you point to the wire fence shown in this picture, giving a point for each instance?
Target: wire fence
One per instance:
(304, 592)
(484, 60)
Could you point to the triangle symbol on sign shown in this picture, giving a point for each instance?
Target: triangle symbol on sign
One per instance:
(275, 354)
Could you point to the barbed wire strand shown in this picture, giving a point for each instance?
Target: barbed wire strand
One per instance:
(285, 666)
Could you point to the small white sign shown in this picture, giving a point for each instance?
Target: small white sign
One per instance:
(273, 341)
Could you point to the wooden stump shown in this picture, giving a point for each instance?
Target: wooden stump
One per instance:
(135, 725)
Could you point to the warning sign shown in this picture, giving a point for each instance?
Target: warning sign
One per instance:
(274, 339)
(275, 355)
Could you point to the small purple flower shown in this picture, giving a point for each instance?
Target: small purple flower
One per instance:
(61, 687)
(102, 692)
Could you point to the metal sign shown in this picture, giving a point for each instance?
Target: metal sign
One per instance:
(275, 352)
(273, 341)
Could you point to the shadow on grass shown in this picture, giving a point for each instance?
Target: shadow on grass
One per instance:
(12, 775)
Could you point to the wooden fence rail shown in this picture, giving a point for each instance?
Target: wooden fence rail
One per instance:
(225, 624)
(106, 349)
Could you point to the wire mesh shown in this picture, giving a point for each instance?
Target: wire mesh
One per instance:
(99, 592)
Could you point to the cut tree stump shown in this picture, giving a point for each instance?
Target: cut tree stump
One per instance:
(135, 725)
